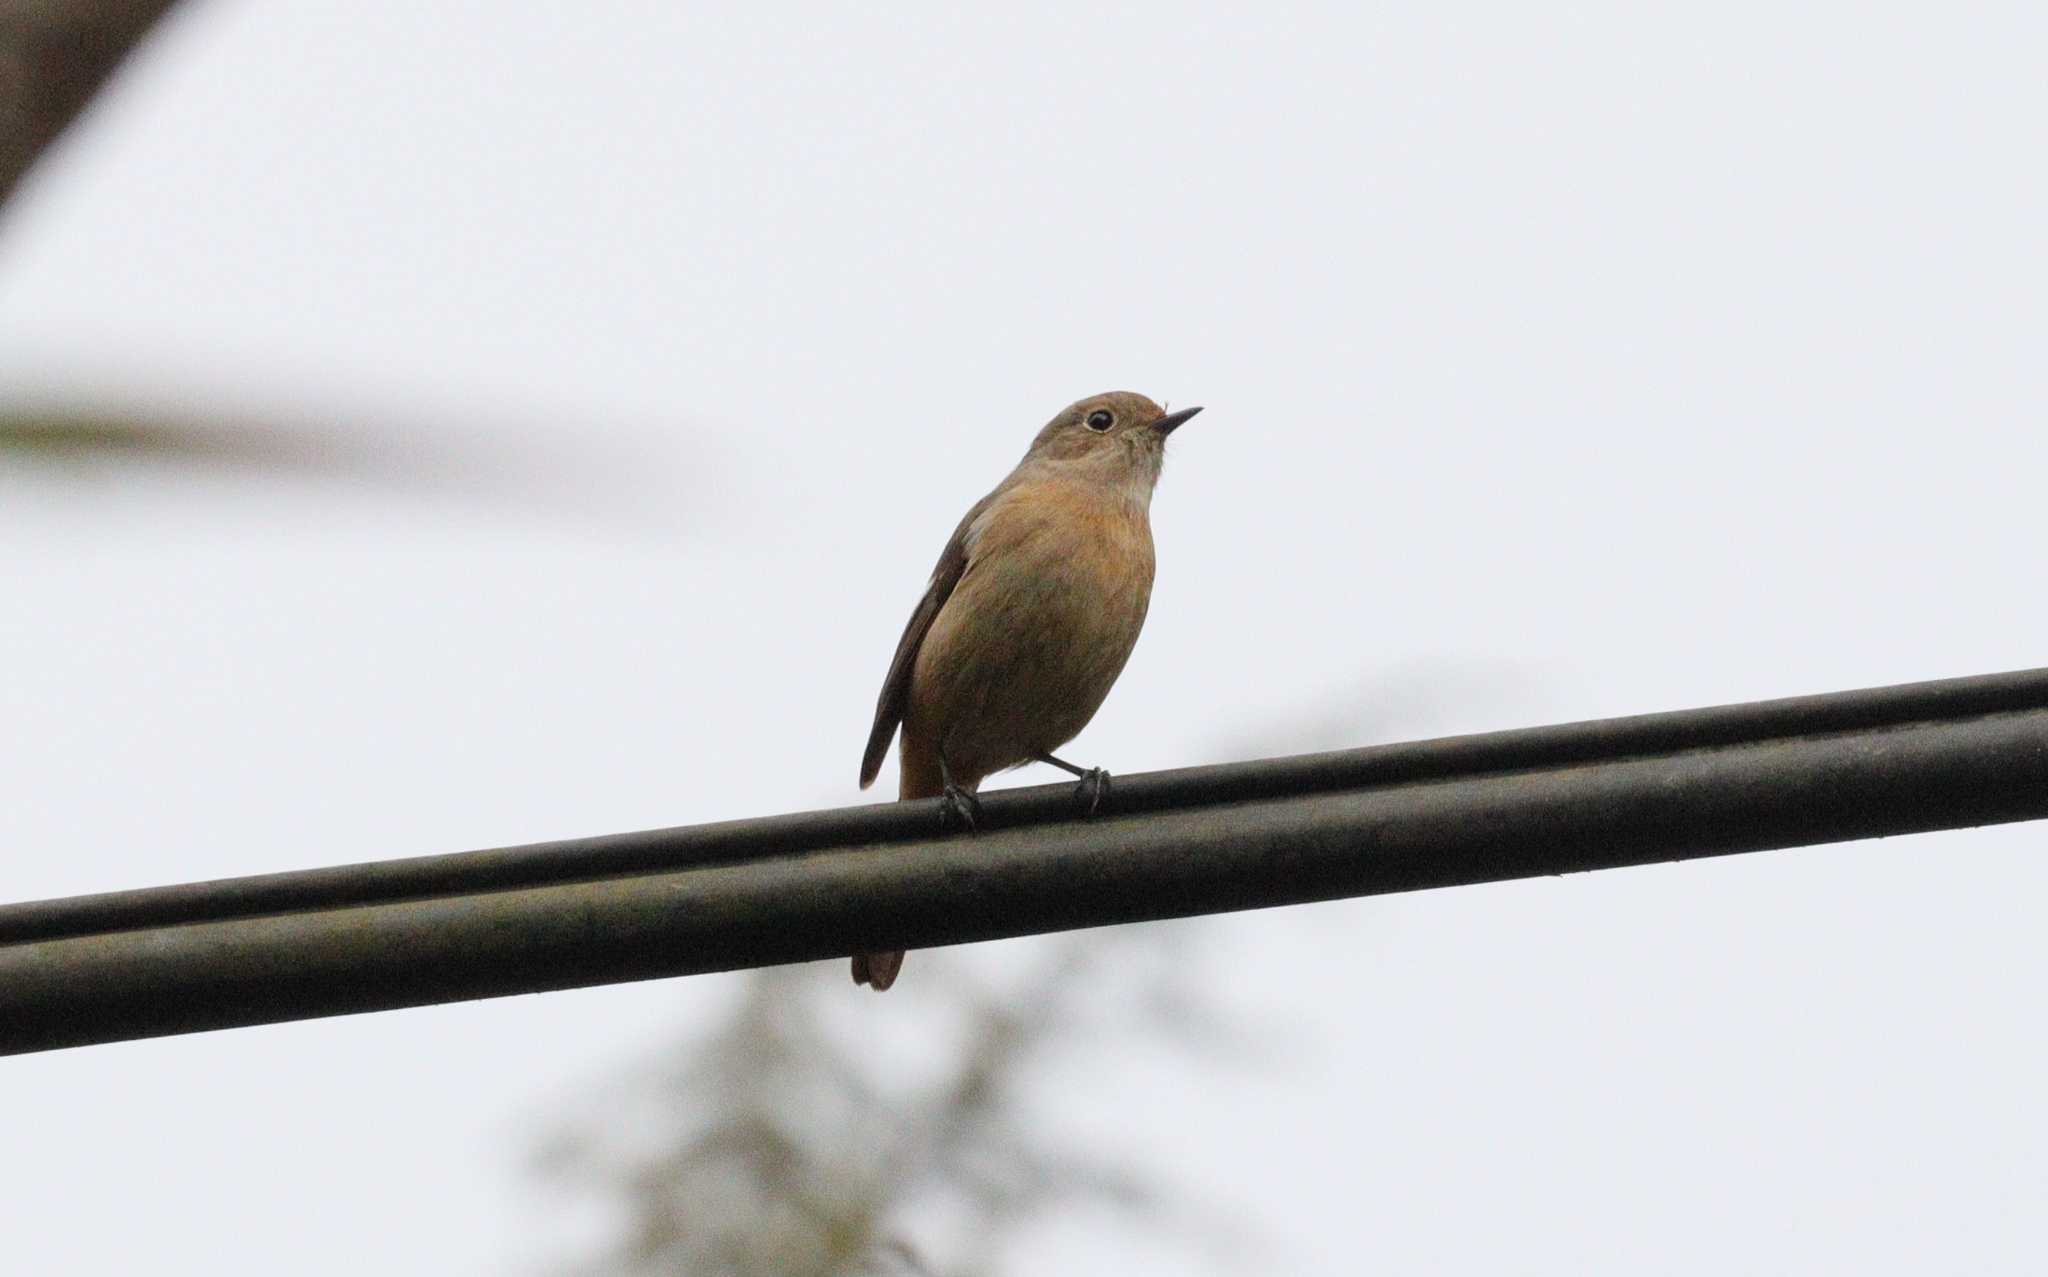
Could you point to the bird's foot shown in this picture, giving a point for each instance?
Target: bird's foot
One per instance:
(1092, 789)
(1094, 786)
(959, 806)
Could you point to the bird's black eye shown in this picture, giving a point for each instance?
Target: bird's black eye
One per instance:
(1100, 419)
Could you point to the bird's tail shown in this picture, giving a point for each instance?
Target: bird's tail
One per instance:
(877, 970)
(921, 778)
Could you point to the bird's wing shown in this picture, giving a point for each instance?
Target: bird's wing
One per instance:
(895, 697)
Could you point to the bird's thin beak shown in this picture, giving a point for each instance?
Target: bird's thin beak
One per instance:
(1173, 421)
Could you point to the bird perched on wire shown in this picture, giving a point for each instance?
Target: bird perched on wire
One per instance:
(1028, 618)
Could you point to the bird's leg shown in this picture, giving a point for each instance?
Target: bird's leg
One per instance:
(1094, 781)
(955, 802)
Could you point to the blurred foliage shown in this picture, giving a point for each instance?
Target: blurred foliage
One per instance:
(795, 1139)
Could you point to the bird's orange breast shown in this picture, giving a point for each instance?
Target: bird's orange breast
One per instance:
(1058, 581)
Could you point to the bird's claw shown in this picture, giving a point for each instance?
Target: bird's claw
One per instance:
(1092, 788)
(961, 806)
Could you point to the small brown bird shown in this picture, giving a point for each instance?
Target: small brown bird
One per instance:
(1029, 616)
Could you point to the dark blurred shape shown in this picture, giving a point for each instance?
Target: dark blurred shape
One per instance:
(54, 55)
(777, 1147)
(609, 476)
(75, 439)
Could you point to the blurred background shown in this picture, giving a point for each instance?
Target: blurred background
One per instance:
(437, 425)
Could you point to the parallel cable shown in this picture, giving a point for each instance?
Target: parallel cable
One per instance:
(1458, 810)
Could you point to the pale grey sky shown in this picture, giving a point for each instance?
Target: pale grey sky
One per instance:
(1557, 365)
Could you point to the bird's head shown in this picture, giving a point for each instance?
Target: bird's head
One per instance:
(1119, 436)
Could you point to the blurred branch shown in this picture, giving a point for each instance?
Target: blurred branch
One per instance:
(73, 438)
(54, 55)
(617, 474)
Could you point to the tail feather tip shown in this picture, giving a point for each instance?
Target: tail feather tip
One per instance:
(877, 970)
